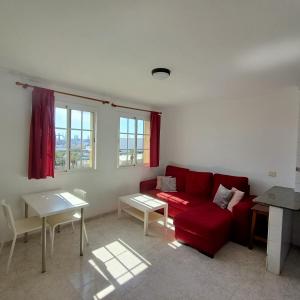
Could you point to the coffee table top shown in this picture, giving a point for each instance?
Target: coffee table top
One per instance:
(143, 202)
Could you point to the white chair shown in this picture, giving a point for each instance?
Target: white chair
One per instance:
(18, 227)
(66, 218)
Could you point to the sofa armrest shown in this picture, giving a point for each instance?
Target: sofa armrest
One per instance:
(147, 185)
(242, 220)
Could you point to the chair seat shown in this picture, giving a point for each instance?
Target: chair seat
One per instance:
(28, 224)
(63, 218)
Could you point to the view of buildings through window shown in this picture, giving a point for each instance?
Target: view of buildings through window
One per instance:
(75, 141)
(134, 142)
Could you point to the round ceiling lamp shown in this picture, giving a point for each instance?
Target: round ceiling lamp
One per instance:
(161, 73)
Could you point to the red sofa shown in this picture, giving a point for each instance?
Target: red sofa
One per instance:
(198, 221)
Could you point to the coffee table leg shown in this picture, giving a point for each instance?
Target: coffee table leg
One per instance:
(43, 245)
(166, 216)
(146, 217)
(26, 216)
(81, 232)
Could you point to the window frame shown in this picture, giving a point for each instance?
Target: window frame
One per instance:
(136, 134)
(82, 108)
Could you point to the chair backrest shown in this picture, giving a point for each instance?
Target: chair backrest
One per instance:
(8, 216)
(80, 193)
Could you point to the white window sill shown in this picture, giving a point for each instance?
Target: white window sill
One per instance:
(134, 166)
(90, 170)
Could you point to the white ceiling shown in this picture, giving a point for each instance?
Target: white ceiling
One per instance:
(215, 49)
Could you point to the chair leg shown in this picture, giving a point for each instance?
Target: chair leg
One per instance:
(52, 240)
(11, 253)
(1, 246)
(73, 227)
(85, 234)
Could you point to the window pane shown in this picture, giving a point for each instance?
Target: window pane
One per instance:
(131, 141)
(60, 159)
(86, 140)
(87, 120)
(140, 142)
(75, 139)
(147, 127)
(75, 159)
(60, 139)
(140, 126)
(123, 125)
(60, 117)
(146, 141)
(123, 141)
(131, 126)
(75, 119)
(130, 157)
(87, 159)
(140, 156)
(123, 157)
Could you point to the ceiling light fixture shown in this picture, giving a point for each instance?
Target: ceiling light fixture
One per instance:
(161, 73)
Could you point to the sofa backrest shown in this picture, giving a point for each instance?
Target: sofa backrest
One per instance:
(180, 175)
(199, 183)
(241, 183)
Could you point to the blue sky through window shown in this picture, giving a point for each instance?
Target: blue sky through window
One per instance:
(61, 117)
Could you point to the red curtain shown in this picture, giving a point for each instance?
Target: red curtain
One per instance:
(154, 139)
(42, 135)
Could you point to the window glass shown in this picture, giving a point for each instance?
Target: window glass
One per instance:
(74, 143)
(123, 125)
(131, 141)
(140, 126)
(131, 126)
(75, 139)
(86, 140)
(60, 117)
(75, 159)
(134, 142)
(75, 119)
(87, 120)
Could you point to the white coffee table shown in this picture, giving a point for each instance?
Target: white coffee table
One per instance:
(143, 207)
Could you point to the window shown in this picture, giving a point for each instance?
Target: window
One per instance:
(134, 142)
(75, 139)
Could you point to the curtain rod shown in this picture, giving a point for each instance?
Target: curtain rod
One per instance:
(134, 108)
(25, 86)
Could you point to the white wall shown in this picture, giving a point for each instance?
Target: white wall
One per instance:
(249, 137)
(103, 185)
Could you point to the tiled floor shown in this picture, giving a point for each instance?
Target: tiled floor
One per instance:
(120, 263)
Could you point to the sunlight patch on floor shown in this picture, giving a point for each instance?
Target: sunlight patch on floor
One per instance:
(170, 224)
(118, 263)
(102, 294)
(174, 244)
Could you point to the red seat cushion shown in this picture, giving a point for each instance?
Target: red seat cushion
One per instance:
(241, 183)
(180, 175)
(178, 200)
(199, 183)
(208, 221)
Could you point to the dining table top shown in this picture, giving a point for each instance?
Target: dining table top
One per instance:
(53, 202)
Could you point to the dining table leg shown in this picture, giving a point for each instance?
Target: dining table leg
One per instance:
(81, 232)
(26, 216)
(43, 245)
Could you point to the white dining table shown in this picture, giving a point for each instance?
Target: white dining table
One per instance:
(50, 203)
